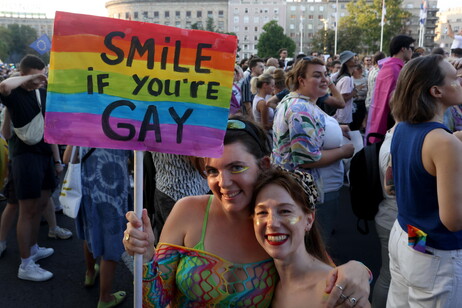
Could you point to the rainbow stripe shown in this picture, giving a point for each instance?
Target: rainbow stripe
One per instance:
(76, 105)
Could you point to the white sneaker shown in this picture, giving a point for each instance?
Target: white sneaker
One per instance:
(42, 253)
(33, 272)
(2, 248)
(60, 233)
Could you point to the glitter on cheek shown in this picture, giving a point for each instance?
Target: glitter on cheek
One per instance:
(294, 220)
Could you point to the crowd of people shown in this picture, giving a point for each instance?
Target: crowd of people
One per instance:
(252, 228)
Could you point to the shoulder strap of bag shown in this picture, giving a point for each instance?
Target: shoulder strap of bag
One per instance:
(84, 158)
(39, 101)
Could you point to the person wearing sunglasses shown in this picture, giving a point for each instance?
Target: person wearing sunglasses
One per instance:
(379, 119)
(307, 138)
(208, 254)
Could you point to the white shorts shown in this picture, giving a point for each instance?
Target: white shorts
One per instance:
(421, 279)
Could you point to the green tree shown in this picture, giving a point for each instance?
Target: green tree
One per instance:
(363, 23)
(21, 38)
(272, 39)
(5, 42)
(210, 25)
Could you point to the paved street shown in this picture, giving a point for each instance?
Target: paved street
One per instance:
(66, 288)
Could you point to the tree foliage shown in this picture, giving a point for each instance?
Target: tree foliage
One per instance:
(15, 41)
(273, 39)
(362, 25)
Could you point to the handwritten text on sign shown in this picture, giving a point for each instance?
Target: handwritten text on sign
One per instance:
(132, 85)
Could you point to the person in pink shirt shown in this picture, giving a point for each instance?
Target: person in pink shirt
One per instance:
(379, 118)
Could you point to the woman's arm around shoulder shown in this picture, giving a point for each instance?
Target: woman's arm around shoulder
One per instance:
(441, 157)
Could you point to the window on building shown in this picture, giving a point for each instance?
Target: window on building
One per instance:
(210, 14)
(311, 8)
(246, 28)
(199, 14)
(127, 15)
(178, 23)
(246, 10)
(310, 26)
(236, 10)
(310, 35)
(320, 17)
(145, 15)
(321, 8)
(135, 15)
(256, 19)
(188, 14)
(256, 29)
(310, 17)
(246, 19)
(221, 14)
(221, 25)
(342, 6)
(167, 23)
(291, 26)
(246, 47)
(177, 14)
(236, 28)
(276, 11)
(156, 14)
(265, 19)
(255, 38)
(188, 25)
(265, 11)
(342, 14)
(167, 14)
(236, 19)
(293, 8)
(246, 38)
(293, 16)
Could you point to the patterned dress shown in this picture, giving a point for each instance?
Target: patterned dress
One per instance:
(105, 200)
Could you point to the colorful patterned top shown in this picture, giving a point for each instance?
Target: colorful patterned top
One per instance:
(298, 131)
(190, 277)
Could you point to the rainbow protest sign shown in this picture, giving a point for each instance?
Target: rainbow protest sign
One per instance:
(131, 85)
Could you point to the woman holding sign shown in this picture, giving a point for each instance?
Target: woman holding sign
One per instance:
(208, 254)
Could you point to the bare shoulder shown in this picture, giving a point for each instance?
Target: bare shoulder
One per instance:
(439, 139)
(439, 147)
(183, 219)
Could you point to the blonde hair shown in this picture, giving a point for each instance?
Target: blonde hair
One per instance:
(257, 82)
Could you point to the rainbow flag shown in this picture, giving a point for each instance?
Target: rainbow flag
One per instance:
(131, 85)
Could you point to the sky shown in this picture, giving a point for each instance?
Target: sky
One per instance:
(94, 7)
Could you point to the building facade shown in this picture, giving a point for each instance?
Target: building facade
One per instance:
(452, 16)
(246, 19)
(38, 21)
(177, 13)
(413, 27)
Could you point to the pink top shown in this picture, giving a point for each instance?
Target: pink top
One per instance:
(384, 87)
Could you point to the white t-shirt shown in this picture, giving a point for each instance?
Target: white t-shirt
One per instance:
(457, 42)
(332, 175)
(256, 112)
(388, 210)
(345, 86)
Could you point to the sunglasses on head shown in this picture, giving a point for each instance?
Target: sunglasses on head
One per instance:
(234, 124)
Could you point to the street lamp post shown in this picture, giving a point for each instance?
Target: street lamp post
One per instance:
(336, 26)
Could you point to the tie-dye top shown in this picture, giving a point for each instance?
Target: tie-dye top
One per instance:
(298, 130)
(190, 277)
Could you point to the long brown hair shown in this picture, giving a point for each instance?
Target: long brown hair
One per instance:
(313, 241)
